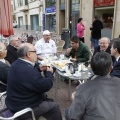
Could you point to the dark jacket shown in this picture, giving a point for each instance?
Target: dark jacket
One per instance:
(4, 69)
(97, 99)
(97, 49)
(26, 86)
(116, 69)
(82, 53)
(96, 29)
(11, 54)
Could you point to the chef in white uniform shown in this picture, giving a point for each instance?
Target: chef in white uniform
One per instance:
(45, 47)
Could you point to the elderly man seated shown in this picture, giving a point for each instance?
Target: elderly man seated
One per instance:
(4, 68)
(27, 86)
(104, 47)
(12, 49)
(45, 46)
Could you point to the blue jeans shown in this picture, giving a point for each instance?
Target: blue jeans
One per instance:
(95, 42)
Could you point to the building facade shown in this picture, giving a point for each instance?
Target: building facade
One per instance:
(29, 14)
(55, 15)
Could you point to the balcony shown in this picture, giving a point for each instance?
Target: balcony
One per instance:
(23, 8)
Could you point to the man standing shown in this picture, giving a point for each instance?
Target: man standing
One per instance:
(4, 68)
(115, 51)
(96, 27)
(12, 49)
(97, 99)
(45, 46)
(78, 50)
(27, 87)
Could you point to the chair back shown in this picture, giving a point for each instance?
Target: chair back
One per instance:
(17, 114)
(59, 49)
(2, 99)
(61, 43)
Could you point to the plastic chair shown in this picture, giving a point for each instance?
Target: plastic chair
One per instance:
(2, 96)
(61, 43)
(20, 113)
(59, 49)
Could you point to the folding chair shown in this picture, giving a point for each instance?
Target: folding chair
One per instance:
(19, 113)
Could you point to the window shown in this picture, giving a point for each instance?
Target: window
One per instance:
(62, 2)
(75, 5)
(50, 3)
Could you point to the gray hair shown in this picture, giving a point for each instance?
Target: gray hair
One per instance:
(22, 50)
(1, 47)
(11, 38)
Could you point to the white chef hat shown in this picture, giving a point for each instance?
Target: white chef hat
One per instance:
(46, 32)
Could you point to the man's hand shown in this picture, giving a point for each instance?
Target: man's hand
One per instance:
(68, 51)
(50, 69)
(73, 60)
(43, 67)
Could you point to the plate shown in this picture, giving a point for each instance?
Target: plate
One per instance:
(85, 69)
(67, 74)
(76, 75)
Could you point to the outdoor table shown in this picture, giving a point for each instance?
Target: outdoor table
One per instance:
(84, 76)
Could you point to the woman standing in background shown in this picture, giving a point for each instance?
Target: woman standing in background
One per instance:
(80, 29)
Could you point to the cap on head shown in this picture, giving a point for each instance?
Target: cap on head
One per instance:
(46, 32)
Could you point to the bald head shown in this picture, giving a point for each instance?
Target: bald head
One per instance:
(2, 51)
(104, 43)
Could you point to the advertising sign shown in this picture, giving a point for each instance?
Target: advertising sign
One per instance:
(50, 9)
(43, 21)
(98, 3)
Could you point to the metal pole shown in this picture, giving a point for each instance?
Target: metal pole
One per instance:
(70, 17)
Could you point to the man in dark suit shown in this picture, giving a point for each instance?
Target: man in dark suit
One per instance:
(96, 27)
(97, 99)
(12, 49)
(115, 51)
(4, 68)
(104, 47)
(27, 87)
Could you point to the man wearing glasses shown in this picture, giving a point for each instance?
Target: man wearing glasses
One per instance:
(104, 46)
(12, 49)
(27, 87)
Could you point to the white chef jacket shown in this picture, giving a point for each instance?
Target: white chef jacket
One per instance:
(45, 49)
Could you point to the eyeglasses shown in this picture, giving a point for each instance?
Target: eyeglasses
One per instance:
(32, 51)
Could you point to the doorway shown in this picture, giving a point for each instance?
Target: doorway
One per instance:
(34, 22)
(106, 15)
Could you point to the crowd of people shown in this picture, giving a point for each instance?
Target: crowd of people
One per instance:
(26, 80)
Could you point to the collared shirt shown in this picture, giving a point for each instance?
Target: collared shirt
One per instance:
(117, 58)
(45, 49)
(33, 64)
(2, 60)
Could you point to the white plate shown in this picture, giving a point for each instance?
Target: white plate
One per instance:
(77, 75)
(85, 69)
(67, 74)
